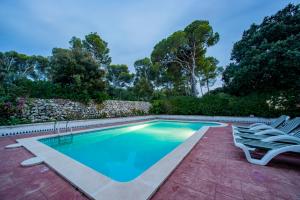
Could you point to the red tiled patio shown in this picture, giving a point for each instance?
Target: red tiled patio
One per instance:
(214, 169)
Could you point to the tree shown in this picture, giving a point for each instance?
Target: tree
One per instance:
(94, 44)
(268, 55)
(81, 67)
(76, 69)
(119, 76)
(73, 73)
(144, 69)
(143, 89)
(14, 66)
(76, 43)
(207, 72)
(184, 48)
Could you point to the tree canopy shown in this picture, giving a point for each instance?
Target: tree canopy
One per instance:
(208, 71)
(94, 44)
(80, 68)
(144, 69)
(268, 55)
(77, 70)
(14, 66)
(119, 76)
(183, 50)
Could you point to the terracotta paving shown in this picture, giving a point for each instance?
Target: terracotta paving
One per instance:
(214, 169)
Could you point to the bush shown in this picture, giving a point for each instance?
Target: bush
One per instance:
(10, 110)
(222, 104)
(136, 112)
(99, 97)
(48, 90)
(122, 94)
(181, 105)
(178, 105)
(158, 107)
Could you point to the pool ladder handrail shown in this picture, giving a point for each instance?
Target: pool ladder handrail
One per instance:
(70, 135)
(55, 126)
(67, 123)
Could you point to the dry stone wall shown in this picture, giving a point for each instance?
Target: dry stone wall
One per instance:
(40, 110)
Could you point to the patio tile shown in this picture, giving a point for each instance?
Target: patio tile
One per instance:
(229, 191)
(188, 167)
(187, 193)
(239, 174)
(247, 196)
(208, 173)
(256, 190)
(34, 196)
(6, 181)
(69, 193)
(166, 191)
(230, 182)
(54, 187)
(174, 191)
(221, 196)
(204, 186)
(182, 177)
(284, 191)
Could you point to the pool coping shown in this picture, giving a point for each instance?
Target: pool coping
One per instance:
(98, 186)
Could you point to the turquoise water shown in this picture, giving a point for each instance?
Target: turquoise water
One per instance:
(125, 152)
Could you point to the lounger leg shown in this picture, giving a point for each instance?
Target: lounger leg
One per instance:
(269, 155)
(248, 155)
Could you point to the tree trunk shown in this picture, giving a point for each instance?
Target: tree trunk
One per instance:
(200, 87)
(193, 78)
(207, 86)
(193, 82)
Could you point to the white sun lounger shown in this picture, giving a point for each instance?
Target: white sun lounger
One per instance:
(274, 146)
(287, 128)
(261, 126)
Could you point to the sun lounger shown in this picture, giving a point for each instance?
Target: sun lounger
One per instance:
(274, 146)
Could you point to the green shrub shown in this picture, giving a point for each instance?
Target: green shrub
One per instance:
(136, 112)
(48, 90)
(184, 105)
(158, 107)
(10, 110)
(99, 97)
(214, 105)
(222, 104)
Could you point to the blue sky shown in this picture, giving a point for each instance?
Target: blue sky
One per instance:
(131, 28)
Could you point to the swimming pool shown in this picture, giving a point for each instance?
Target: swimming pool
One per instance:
(125, 152)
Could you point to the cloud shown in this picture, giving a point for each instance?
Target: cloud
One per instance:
(131, 27)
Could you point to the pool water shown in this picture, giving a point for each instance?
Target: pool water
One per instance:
(123, 153)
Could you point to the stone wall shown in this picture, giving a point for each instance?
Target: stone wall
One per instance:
(40, 110)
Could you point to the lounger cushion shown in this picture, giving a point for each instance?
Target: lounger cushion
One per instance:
(252, 136)
(261, 145)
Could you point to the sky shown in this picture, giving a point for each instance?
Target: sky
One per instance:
(131, 27)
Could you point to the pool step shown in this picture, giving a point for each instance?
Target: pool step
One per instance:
(15, 145)
(32, 161)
